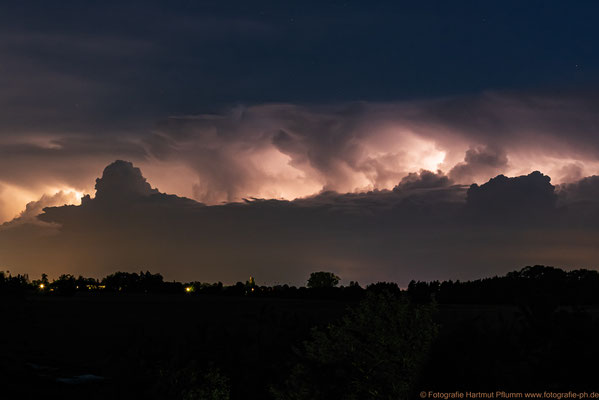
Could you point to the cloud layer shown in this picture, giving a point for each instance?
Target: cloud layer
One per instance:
(426, 227)
(289, 151)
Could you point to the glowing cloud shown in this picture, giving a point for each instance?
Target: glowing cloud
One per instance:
(290, 151)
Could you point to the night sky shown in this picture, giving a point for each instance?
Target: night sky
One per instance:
(298, 136)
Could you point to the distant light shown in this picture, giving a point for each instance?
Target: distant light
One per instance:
(188, 289)
(42, 286)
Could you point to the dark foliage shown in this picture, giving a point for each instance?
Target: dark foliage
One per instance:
(13, 285)
(65, 285)
(374, 352)
(142, 283)
(380, 287)
(518, 349)
(533, 329)
(530, 285)
(322, 280)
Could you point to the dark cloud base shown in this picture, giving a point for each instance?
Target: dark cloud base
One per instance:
(426, 228)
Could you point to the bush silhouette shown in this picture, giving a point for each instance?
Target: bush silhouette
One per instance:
(374, 352)
(192, 383)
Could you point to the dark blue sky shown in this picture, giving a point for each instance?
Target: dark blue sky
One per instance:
(177, 57)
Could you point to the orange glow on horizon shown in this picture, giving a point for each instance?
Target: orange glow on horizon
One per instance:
(16, 198)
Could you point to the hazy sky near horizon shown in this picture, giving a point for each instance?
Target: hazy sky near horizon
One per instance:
(218, 101)
(427, 227)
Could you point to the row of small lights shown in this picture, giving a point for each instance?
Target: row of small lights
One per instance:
(42, 286)
(188, 289)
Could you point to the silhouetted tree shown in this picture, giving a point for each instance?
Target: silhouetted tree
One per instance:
(10, 284)
(353, 291)
(65, 285)
(144, 282)
(193, 383)
(322, 279)
(375, 352)
(84, 284)
(380, 287)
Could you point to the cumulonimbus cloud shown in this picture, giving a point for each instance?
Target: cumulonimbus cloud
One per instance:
(290, 151)
(427, 227)
(283, 150)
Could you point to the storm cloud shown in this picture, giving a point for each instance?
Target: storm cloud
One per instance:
(379, 142)
(289, 151)
(427, 227)
(221, 101)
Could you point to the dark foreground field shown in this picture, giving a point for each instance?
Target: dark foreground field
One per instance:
(138, 342)
(111, 346)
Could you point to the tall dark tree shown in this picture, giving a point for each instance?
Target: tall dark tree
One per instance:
(322, 279)
(375, 352)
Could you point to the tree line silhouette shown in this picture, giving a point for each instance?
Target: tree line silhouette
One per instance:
(531, 284)
(369, 343)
